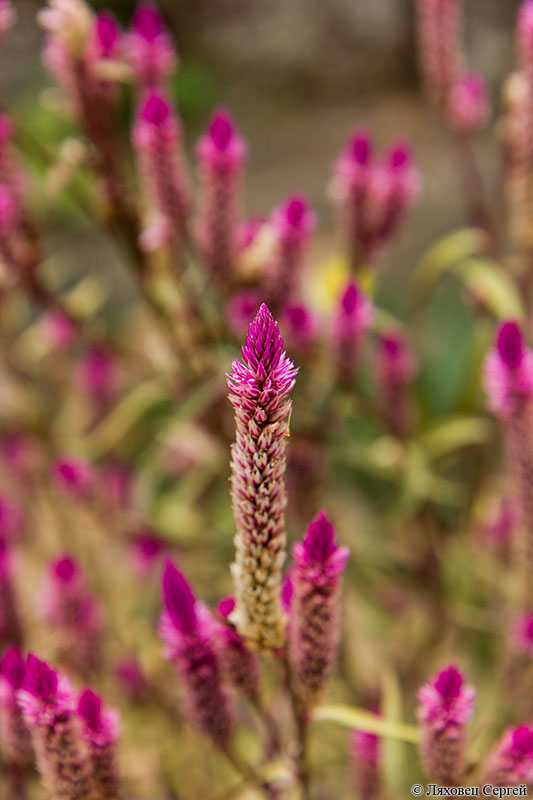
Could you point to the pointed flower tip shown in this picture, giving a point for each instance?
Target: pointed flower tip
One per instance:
(351, 297)
(399, 155)
(360, 147)
(156, 109)
(221, 129)
(319, 541)
(522, 741)
(13, 667)
(40, 680)
(65, 569)
(510, 344)
(90, 709)
(178, 598)
(449, 683)
(107, 33)
(148, 22)
(226, 606)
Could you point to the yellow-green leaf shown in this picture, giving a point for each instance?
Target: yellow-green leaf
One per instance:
(443, 256)
(493, 287)
(362, 720)
(454, 433)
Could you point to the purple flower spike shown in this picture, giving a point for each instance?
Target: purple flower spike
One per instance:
(440, 47)
(151, 50)
(300, 326)
(239, 662)
(157, 141)
(511, 761)
(509, 372)
(190, 633)
(366, 766)
(360, 147)
(396, 368)
(259, 388)
(179, 599)
(221, 154)
(106, 35)
(100, 732)
(14, 736)
(314, 623)
(40, 680)
(446, 705)
(510, 344)
(468, 105)
(352, 320)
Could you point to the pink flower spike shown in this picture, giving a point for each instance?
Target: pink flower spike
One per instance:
(446, 705)
(189, 632)
(511, 761)
(469, 106)
(396, 368)
(239, 662)
(440, 47)
(314, 626)
(352, 320)
(508, 372)
(221, 152)
(105, 37)
(100, 731)
(15, 741)
(13, 667)
(366, 763)
(259, 387)
(151, 50)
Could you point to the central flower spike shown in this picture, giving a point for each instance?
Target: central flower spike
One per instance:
(259, 388)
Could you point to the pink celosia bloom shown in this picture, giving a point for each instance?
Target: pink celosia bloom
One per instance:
(300, 326)
(446, 705)
(522, 634)
(157, 139)
(10, 623)
(131, 677)
(239, 662)
(150, 46)
(100, 731)
(59, 330)
(11, 520)
(511, 761)
(146, 550)
(396, 368)
(351, 321)
(187, 629)
(221, 153)
(509, 372)
(66, 604)
(314, 631)
(240, 309)
(366, 763)
(75, 476)
(259, 388)
(105, 38)
(468, 104)
(373, 196)
(440, 46)
(292, 223)
(48, 706)
(15, 744)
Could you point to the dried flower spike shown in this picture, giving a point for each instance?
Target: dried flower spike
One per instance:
(314, 627)
(259, 388)
(446, 705)
(188, 631)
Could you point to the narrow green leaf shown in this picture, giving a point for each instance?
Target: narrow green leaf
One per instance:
(454, 433)
(362, 720)
(443, 256)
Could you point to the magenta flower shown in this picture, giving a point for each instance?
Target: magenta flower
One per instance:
(157, 139)
(351, 321)
(446, 705)
(301, 327)
(15, 743)
(259, 387)
(509, 372)
(366, 765)
(221, 153)
(292, 222)
(10, 623)
(67, 605)
(239, 662)
(75, 476)
(396, 368)
(188, 631)
(440, 47)
(468, 104)
(511, 761)
(48, 708)
(314, 622)
(100, 731)
(150, 47)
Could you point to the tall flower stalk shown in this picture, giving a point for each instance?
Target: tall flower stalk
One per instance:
(259, 392)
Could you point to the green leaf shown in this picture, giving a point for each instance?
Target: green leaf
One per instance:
(454, 433)
(493, 287)
(362, 720)
(443, 256)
